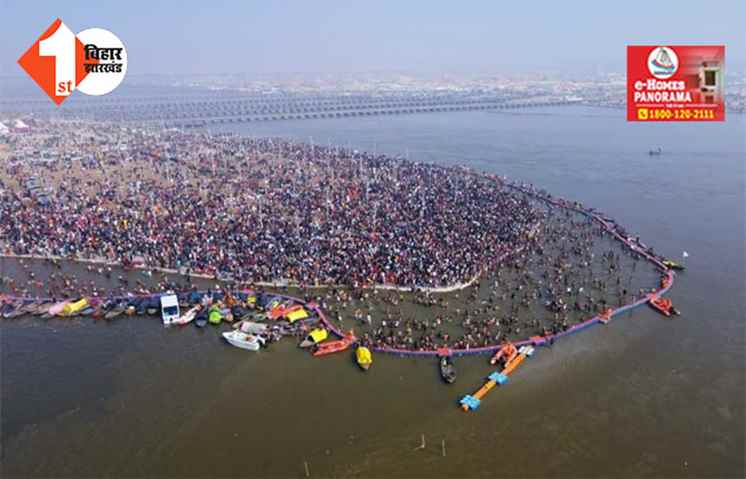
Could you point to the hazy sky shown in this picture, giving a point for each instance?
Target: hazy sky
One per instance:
(350, 36)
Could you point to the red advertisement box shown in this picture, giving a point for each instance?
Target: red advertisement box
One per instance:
(676, 83)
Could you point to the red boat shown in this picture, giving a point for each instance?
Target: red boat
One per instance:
(330, 347)
(663, 306)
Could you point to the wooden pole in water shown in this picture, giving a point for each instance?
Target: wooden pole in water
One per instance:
(443, 447)
(305, 466)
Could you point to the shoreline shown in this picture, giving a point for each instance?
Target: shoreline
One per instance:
(535, 340)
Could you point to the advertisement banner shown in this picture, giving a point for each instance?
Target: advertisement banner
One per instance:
(675, 83)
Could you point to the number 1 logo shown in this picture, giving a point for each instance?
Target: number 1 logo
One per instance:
(55, 61)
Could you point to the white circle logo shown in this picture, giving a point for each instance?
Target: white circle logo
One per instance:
(663, 62)
(105, 61)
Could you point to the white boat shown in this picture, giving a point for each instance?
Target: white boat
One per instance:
(187, 317)
(169, 308)
(243, 340)
(251, 327)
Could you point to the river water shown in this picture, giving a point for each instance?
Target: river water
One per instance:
(640, 397)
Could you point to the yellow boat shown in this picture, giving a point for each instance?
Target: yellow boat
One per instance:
(296, 315)
(673, 265)
(73, 308)
(364, 357)
(314, 337)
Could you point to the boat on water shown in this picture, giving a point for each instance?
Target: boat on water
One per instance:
(115, 311)
(330, 347)
(242, 340)
(55, 309)
(252, 316)
(14, 311)
(30, 307)
(364, 358)
(673, 265)
(296, 314)
(187, 317)
(316, 336)
(447, 370)
(73, 308)
(200, 320)
(250, 327)
(214, 315)
(506, 353)
(663, 306)
(43, 308)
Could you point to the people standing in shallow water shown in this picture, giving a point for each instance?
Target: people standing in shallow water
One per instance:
(546, 289)
(261, 210)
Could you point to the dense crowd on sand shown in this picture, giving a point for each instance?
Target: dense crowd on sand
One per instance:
(268, 210)
(262, 210)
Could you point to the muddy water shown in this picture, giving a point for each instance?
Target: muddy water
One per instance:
(642, 396)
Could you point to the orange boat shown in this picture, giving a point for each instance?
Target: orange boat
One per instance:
(330, 347)
(282, 311)
(507, 353)
(663, 305)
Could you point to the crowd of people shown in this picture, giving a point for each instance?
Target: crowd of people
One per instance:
(572, 273)
(275, 211)
(266, 210)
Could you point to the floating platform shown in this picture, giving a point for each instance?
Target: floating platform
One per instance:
(471, 402)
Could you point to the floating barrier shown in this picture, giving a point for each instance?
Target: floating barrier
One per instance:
(470, 402)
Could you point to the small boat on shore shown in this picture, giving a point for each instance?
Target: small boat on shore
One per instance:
(447, 370)
(363, 357)
(316, 336)
(330, 347)
(241, 340)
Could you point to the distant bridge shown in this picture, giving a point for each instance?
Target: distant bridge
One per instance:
(362, 111)
(202, 110)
